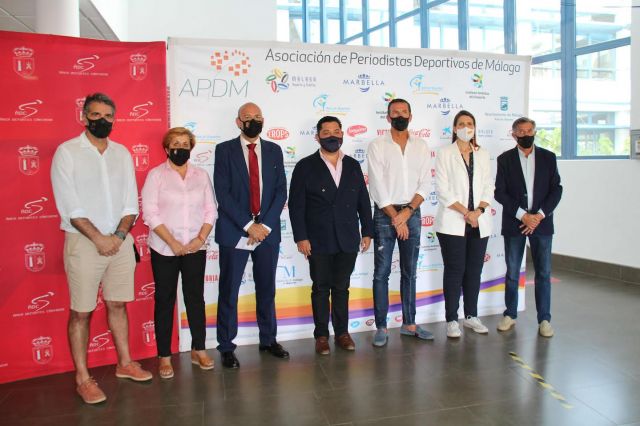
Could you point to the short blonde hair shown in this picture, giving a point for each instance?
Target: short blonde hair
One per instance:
(178, 131)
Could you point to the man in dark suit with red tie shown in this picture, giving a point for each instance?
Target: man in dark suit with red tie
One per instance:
(251, 190)
(329, 208)
(528, 187)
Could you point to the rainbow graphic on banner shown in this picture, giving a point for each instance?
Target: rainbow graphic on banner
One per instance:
(291, 312)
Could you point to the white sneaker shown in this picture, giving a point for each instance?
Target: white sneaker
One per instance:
(506, 323)
(545, 329)
(475, 324)
(453, 329)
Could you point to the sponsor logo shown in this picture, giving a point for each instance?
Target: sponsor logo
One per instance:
(235, 62)
(147, 291)
(203, 157)
(493, 212)
(277, 80)
(388, 97)
(140, 157)
(445, 105)
(360, 155)
(487, 257)
(446, 133)
(287, 274)
(277, 133)
(355, 324)
(370, 322)
(427, 220)
(433, 173)
(433, 198)
(101, 342)
(138, 66)
(363, 82)
(485, 133)
(24, 64)
(418, 133)
(191, 126)
(32, 208)
(291, 152)
(322, 106)
(143, 247)
(478, 80)
(79, 110)
(141, 110)
(283, 225)
(149, 333)
(504, 103)
(212, 254)
(418, 86)
(366, 178)
(40, 302)
(34, 258)
(398, 318)
(28, 109)
(42, 349)
(85, 64)
(356, 129)
(211, 278)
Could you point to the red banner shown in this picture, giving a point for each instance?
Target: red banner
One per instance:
(44, 80)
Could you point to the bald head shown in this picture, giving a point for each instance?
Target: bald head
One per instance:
(250, 120)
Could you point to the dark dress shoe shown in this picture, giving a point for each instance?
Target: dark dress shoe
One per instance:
(229, 360)
(322, 345)
(275, 349)
(346, 342)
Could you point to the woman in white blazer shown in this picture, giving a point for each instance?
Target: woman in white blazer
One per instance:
(462, 223)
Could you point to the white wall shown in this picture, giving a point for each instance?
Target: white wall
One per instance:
(116, 15)
(599, 215)
(151, 20)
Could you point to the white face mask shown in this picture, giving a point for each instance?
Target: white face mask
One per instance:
(465, 134)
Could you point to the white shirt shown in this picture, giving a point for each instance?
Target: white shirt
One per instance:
(245, 152)
(87, 184)
(528, 165)
(394, 177)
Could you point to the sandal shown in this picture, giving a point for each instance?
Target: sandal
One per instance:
(203, 361)
(165, 371)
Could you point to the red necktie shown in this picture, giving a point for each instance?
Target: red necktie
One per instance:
(254, 180)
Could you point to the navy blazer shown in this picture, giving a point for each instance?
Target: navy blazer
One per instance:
(326, 215)
(231, 184)
(511, 190)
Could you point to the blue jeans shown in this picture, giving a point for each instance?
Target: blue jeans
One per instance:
(384, 239)
(541, 253)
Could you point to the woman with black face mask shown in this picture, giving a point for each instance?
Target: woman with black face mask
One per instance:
(178, 207)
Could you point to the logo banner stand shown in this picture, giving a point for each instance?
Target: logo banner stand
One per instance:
(44, 80)
(295, 85)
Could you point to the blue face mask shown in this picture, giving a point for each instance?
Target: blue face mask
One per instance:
(330, 144)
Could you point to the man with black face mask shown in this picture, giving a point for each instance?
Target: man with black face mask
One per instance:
(399, 167)
(329, 207)
(528, 187)
(94, 185)
(251, 190)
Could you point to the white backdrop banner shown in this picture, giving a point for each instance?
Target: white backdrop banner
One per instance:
(295, 85)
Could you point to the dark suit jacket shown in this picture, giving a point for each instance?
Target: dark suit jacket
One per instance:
(231, 184)
(326, 215)
(511, 190)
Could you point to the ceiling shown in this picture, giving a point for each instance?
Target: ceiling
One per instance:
(20, 15)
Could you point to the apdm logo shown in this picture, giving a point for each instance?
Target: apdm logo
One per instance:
(235, 62)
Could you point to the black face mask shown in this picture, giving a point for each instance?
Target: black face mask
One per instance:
(100, 128)
(251, 128)
(526, 141)
(179, 156)
(400, 123)
(330, 144)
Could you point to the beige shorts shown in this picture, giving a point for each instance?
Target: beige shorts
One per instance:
(86, 269)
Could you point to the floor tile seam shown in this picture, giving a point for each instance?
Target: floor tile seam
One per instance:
(326, 376)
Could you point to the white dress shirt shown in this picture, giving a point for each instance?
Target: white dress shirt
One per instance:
(87, 184)
(245, 152)
(452, 184)
(395, 177)
(528, 165)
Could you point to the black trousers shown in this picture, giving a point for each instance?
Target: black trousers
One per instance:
(331, 275)
(463, 260)
(165, 273)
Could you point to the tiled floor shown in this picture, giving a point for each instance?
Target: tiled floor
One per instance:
(592, 362)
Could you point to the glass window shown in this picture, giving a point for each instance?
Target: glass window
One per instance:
(602, 21)
(545, 104)
(355, 42)
(406, 6)
(604, 121)
(538, 26)
(408, 32)
(379, 37)
(443, 26)
(332, 10)
(314, 31)
(486, 26)
(354, 17)
(378, 12)
(289, 20)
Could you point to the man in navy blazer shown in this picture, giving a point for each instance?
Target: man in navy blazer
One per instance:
(329, 207)
(251, 190)
(528, 187)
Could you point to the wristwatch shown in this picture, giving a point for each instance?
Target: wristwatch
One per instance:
(481, 209)
(411, 208)
(120, 234)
